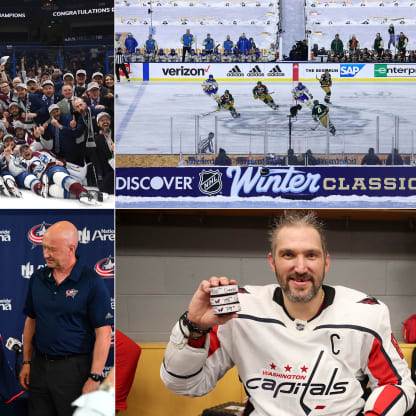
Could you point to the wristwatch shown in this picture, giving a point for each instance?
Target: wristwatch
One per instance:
(95, 377)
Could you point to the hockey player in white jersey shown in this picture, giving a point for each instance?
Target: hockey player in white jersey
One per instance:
(301, 348)
(301, 94)
(210, 87)
(51, 170)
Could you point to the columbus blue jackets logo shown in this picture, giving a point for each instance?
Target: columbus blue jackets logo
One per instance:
(369, 300)
(71, 293)
(35, 234)
(105, 267)
(210, 182)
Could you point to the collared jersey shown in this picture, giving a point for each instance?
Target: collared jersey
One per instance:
(66, 315)
(291, 367)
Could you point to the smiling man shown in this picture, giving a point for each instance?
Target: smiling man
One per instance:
(300, 347)
(67, 332)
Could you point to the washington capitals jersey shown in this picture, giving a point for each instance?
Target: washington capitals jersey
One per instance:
(291, 367)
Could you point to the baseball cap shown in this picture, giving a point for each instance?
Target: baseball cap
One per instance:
(103, 114)
(53, 107)
(92, 85)
(31, 80)
(14, 103)
(81, 71)
(21, 85)
(68, 74)
(97, 74)
(47, 82)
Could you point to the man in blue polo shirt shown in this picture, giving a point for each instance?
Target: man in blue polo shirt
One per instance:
(67, 332)
(187, 40)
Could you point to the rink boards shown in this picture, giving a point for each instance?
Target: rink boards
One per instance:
(274, 71)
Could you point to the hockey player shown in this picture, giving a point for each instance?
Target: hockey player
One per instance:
(326, 83)
(161, 56)
(226, 57)
(207, 145)
(226, 102)
(138, 56)
(301, 347)
(50, 170)
(260, 91)
(301, 94)
(192, 57)
(320, 113)
(13, 177)
(173, 56)
(210, 87)
(149, 56)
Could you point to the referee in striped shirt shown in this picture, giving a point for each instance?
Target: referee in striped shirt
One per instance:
(120, 64)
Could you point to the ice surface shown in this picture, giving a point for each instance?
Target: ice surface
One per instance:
(144, 112)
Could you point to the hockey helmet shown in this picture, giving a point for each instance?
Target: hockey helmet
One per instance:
(211, 134)
(226, 92)
(315, 102)
(300, 85)
(211, 76)
(258, 82)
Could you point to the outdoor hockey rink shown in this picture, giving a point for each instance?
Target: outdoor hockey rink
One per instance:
(160, 118)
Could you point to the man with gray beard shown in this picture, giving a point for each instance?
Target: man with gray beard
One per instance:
(300, 347)
(104, 163)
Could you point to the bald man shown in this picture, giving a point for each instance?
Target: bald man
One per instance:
(67, 332)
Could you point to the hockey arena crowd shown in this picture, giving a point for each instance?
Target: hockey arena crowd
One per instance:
(245, 50)
(56, 130)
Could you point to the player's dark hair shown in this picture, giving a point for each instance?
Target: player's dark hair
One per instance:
(293, 218)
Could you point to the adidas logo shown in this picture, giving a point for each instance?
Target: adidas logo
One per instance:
(275, 72)
(235, 72)
(255, 72)
(108, 316)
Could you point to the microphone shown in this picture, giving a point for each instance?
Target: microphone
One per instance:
(15, 345)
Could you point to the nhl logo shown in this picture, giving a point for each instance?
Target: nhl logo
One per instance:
(210, 182)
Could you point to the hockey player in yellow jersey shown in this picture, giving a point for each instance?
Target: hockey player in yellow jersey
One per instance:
(326, 84)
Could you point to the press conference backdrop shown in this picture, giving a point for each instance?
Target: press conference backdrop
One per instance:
(21, 233)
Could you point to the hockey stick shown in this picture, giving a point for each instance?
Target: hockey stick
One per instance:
(314, 128)
(206, 114)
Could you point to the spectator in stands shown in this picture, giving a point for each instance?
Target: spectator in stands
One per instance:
(208, 44)
(68, 79)
(33, 86)
(81, 78)
(187, 40)
(293, 54)
(371, 158)
(337, 46)
(66, 104)
(104, 163)
(131, 44)
(222, 159)
(228, 45)
(243, 44)
(109, 83)
(309, 159)
(96, 101)
(394, 158)
(149, 44)
(392, 39)
(271, 54)
(292, 159)
(402, 43)
(378, 44)
(353, 45)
